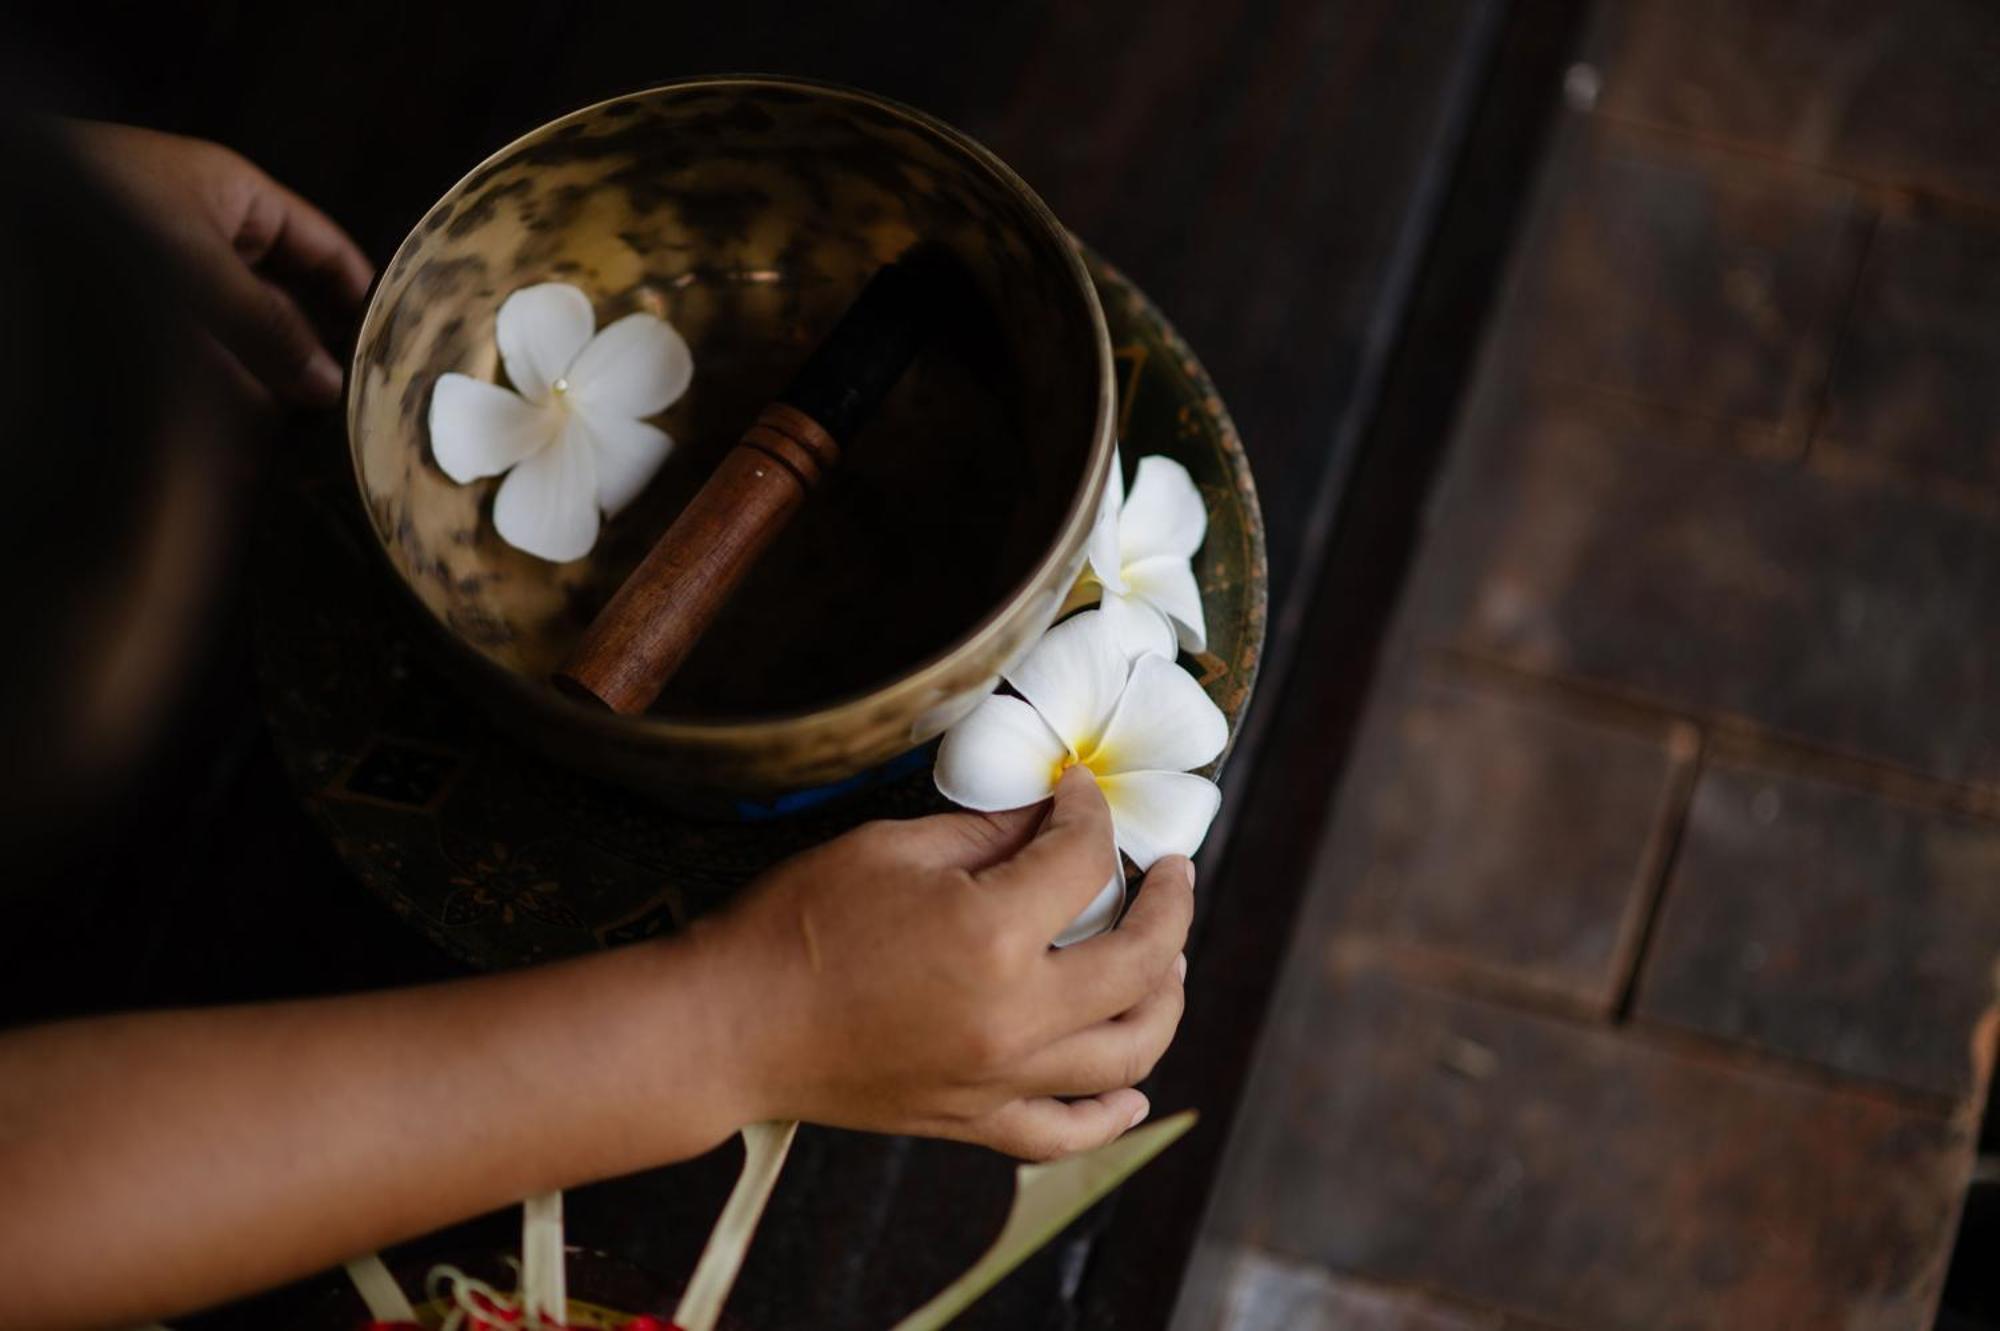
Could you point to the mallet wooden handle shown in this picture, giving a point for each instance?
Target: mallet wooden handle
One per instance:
(649, 627)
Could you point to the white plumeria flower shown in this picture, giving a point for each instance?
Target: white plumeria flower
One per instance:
(573, 434)
(1141, 567)
(1138, 727)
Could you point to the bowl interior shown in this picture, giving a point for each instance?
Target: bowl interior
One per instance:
(748, 212)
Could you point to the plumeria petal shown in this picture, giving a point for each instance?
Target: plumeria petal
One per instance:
(1105, 561)
(636, 367)
(540, 331)
(627, 454)
(1168, 582)
(480, 429)
(1085, 591)
(1002, 756)
(1165, 722)
(548, 505)
(1099, 915)
(1140, 627)
(1159, 813)
(1164, 514)
(1073, 678)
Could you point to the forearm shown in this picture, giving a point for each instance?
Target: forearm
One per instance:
(162, 1161)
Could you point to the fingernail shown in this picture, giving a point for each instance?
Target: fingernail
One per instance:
(323, 378)
(1190, 875)
(1180, 967)
(1139, 1117)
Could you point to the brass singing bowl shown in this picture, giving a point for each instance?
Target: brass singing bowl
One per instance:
(749, 211)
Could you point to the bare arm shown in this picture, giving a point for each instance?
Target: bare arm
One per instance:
(163, 1160)
(897, 979)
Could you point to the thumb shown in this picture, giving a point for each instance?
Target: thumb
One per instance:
(969, 841)
(1070, 859)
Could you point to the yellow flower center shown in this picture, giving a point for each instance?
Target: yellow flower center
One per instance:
(559, 387)
(1093, 761)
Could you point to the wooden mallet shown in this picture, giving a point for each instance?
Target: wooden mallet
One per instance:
(648, 628)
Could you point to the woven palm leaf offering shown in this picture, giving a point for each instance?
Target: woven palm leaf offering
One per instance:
(1046, 1198)
(750, 458)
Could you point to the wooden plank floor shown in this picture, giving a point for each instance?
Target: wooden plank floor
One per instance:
(1646, 976)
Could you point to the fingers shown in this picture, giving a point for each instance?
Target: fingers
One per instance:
(254, 250)
(265, 329)
(1112, 1054)
(969, 841)
(1067, 863)
(302, 240)
(1104, 976)
(1048, 1129)
(287, 252)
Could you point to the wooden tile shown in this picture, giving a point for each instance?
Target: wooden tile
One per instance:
(1753, 74)
(1916, 382)
(1698, 286)
(1574, 1174)
(1924, 108)
(1578, 542)
(1900, 93)
(1826, 924)
(1266, 1293)
(1506, 836)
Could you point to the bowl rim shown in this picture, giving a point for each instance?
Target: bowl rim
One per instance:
(925, 674)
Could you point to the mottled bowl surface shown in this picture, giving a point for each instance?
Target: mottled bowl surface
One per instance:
(503, 857)
(749, 212)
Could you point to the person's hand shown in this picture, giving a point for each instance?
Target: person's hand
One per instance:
(256, 255)
(900, 979)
